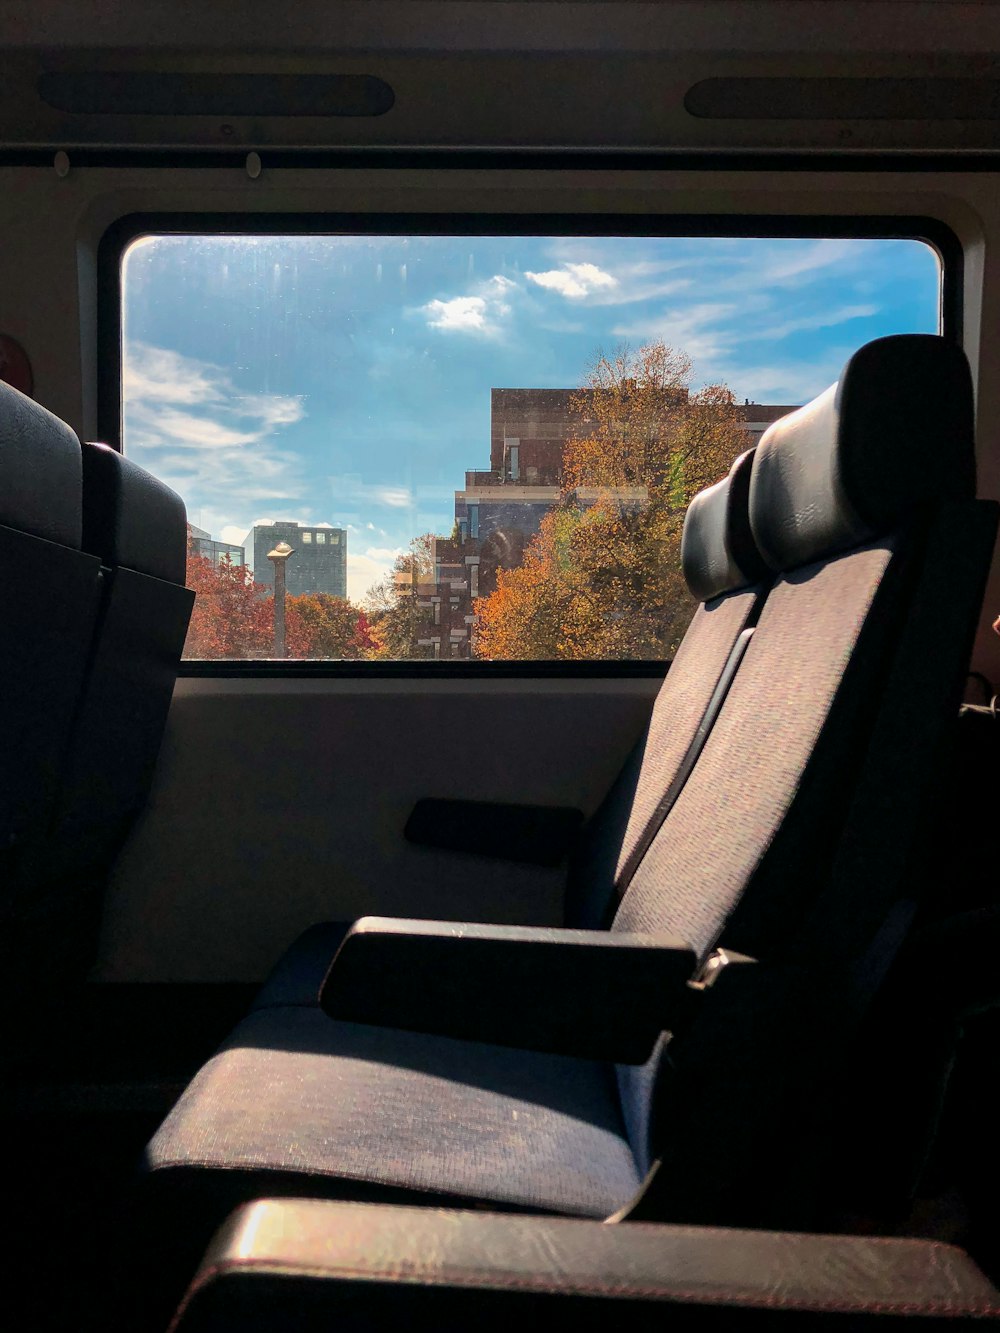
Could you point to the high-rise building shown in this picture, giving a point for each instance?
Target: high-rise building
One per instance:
(203, 544)
(319, 562)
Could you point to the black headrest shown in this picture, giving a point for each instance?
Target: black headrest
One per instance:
(895, 432)
(130, 519)
(718, 552)
(40, 471)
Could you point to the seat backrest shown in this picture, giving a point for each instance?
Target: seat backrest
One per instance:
(136, 527)
(727, 575)
(50, 607)
(790, 838)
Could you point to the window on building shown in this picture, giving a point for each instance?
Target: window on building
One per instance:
(377, 393)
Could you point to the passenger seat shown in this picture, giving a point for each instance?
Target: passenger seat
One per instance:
(92, 639)
(137, 527)
(792, 843)
(52, 592)
(727, 575)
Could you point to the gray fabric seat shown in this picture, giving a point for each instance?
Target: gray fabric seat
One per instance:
(51, 609)
(728, 577)
(296, 1092)
(133, 530)
(791, 840)
(50, 613)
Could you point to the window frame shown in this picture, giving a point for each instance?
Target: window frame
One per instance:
(125, 230)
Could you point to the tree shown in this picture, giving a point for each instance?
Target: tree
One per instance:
(330, 626)
(602, 577)
(233, 617)
(394, 618)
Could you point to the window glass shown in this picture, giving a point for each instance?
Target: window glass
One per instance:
(397, 409)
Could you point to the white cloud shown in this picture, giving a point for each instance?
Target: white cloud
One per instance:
(271, 410)
(175, 401)
(188, 430)
(211, 443)
(790, 383)
(822, 320)
(574, 281)
(481, 312)
(350, 489)
(368, 567)
(396, 497)
(462, 313)
(704, 330)
(789, 266)
(156, 374)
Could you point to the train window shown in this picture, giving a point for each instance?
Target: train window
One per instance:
(487, 441)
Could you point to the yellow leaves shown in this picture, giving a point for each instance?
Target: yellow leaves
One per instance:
(602, 577)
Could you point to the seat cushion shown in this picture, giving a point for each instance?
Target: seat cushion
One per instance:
(295, 1103)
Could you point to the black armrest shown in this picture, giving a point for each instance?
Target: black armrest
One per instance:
(590, 993)
(318, 1265)
(537, 834)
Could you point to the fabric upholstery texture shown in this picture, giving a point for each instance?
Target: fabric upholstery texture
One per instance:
(612, 835)
(720, 830)
(294, 1092)
(115, 679)
(730, 839)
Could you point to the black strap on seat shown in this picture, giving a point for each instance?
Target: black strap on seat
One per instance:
(665, 804)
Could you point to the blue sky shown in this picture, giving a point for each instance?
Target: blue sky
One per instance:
(347, 380)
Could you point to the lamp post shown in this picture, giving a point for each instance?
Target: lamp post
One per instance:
(278, 558)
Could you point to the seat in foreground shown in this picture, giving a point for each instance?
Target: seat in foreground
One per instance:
(801, 811)
(727, 574)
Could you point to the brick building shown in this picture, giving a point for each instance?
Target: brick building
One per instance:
(498, 511)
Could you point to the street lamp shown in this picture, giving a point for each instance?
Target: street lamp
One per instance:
(278, 558)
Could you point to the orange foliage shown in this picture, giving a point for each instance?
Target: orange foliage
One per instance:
(602, 577)
(233, 618)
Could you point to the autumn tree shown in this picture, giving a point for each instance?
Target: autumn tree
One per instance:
(394, 619)
(331, 626)
(233, 617)
(602, 577)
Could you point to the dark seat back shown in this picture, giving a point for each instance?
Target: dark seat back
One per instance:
(136, 527)
(50, 606)
(727, 575)
(792, 837)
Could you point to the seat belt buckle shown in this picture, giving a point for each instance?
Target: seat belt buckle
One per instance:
(713, 967)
